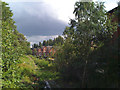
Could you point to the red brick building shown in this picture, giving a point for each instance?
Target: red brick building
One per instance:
(44, 51)
(115, 11)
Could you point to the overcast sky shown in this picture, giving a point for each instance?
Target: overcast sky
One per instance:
(40, 20)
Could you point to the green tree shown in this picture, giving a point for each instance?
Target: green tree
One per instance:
(35, 45)
(23, 42)
(57, 41)
(13, 47)
(40, 44)
(35, 51)
(50, 42)
(44, 43)
(91, 24)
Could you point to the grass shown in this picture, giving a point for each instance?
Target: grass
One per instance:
(34, 71)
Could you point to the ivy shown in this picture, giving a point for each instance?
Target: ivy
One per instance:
(14, 45)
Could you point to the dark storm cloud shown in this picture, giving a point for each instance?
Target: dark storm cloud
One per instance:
(36, 19)
(31, 25)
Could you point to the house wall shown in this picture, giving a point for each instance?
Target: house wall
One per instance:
(44, 50)
(115, 19)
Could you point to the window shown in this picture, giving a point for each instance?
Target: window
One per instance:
(118, 25)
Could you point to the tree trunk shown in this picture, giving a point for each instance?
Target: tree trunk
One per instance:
(84, 76)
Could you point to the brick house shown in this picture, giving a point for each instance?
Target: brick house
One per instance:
(44, 51)
(116, 18)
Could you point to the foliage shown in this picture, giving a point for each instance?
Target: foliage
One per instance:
(103, 66)
(44, 43)
(14, 45)
(42, 63)
(90, 28)
(35, 45)
(45, 70)
(56, 42)
(40, 44)
(32, 73)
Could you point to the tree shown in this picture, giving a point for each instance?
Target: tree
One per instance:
(14, 45)
(35, 45)
(91, 24)
(50, 42)
(58, 41)
(40, 45)
(44, 43)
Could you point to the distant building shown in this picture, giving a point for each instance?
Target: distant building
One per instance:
(115, 11)
(44, 51)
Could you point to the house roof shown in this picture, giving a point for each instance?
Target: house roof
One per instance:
(114, 9)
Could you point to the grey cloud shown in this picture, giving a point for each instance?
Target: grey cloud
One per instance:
(36, 19)
(39, 38)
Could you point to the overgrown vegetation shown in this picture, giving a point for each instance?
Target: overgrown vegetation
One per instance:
(87, 58)
(34, 72)
(58, 41)
(14, 45)
(19, 69)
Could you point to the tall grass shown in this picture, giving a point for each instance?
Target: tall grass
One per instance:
(32, 69)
